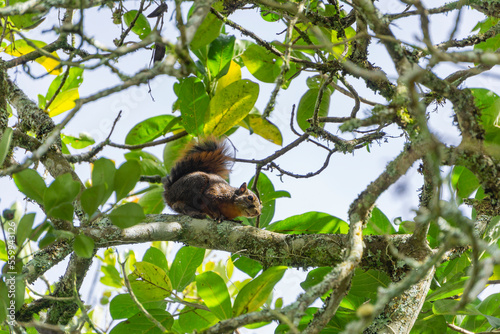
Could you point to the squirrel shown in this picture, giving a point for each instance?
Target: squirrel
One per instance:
(197, 187)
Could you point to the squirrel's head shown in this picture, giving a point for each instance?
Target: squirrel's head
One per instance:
(248, 202)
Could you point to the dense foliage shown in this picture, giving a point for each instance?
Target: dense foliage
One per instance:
(422, 273)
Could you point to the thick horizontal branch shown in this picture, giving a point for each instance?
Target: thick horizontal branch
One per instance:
(269, 248)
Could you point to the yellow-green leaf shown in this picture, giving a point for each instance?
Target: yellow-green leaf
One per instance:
(63, 102)
(264, 128)
(232, 75)
(230, 105)
(21, 47)
(213, 290)
(150, 282)
(255, 293)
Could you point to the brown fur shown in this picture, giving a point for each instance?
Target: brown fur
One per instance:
(197, 187)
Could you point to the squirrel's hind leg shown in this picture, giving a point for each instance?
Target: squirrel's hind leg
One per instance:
(185, 209)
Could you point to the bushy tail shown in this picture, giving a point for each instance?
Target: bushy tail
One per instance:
(209, 155)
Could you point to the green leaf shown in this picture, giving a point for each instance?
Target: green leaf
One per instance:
(149, 282)
(492, 43)
(150, 164)
(489, 104)
(84, 246)
(192, 319)
(141, 26)
(59, 197)
(220, 53)
(148, 130)
(73, 80)
(140, 324)
(111, 277)
(92, 198)
(30, 183)
(315, 276)
(127, 215)
(126, 178)
(122, 306)
(82, 141)
(306, 106)
(464, 181)
(246, 265)
(378, 224)
(5, 144)
(25, 227)
(155, 256)
(193, 102)
(152, 202)
(450, 289)
(310, 223)
(269, 16)
(264, 128)
(183, 269)
(230, 105)
(490, 306)
(207, 31)
(431, 325)
(255, 293)
(261, 63)
(212, 288)
(103, 173)
(366, 283)
(448, 307)
(173, 151)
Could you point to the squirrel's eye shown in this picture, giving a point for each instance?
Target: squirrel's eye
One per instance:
(250, 197)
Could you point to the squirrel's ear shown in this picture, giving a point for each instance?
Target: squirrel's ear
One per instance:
(242, 188)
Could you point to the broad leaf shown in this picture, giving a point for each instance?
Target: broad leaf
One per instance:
(126, 177)
(24, 228)
(193, 102)
(92, 198)
(263, 127)
(246, 265)
(233, 74)
(30, 183)
(141, 25)
(21, 47)
(194, 319)
(184, 266)
(140, 324)
(152, 202)
(83, 140)
(103, 173)
(206, 32)
(83, 246)
(148, 130)
(212, 288)
(255, 293)
(5, 144)
(311, 223)
(63, 102)
(127, 215)
(230, 105)
(149, 282)
(307, 104)
(155, 256)
(264, 65)
(59, 196)
(378, 224)
(220, 53)
(122, 306)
